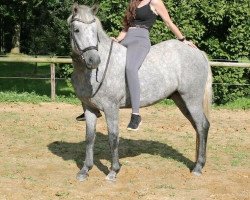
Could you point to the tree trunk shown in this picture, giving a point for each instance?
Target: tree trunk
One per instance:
(1, 36)
(16, 39)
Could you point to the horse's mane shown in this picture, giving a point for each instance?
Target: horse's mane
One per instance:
(101, 32)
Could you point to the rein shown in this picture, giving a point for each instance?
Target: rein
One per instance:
(105, 71)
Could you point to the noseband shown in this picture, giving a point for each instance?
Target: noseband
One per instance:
(82, 51)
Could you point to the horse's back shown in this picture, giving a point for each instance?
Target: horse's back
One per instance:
(173, 55)
(189, 65)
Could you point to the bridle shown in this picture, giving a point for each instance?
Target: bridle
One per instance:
(82, 51)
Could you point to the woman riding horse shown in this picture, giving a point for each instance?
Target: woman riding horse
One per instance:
(139, 19)
(171, 69)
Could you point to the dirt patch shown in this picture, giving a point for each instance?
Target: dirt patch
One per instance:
(42, 149)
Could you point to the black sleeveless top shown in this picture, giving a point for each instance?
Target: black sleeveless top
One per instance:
(144, 17)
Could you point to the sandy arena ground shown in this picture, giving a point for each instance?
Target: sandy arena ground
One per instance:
(42, 149)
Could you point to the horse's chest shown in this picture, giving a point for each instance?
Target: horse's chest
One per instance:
(80, 85)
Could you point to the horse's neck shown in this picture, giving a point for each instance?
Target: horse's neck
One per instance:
(104, 43)
(103, 49)
(116, 51)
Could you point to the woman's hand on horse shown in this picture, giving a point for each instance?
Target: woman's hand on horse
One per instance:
(114, 39)
(190, 43)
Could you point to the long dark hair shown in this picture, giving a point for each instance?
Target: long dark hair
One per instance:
(130, 13)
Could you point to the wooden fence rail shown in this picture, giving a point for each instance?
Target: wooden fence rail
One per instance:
(54, 60)
(68, 60)
(35, 59)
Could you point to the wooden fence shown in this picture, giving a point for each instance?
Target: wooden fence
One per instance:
(54, 60)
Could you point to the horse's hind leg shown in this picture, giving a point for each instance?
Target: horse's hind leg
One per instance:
(112, 118)
(90, 138)
(192, 108)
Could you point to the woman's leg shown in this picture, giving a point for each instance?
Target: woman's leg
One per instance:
(136, 53)
(138, 45)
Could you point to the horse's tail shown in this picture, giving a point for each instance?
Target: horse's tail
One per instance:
(207, 98)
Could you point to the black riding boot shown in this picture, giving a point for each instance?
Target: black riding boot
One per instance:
(82, 116)
(134, 123)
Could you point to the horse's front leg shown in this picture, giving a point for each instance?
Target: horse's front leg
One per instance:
(90, 115)
(112, 118)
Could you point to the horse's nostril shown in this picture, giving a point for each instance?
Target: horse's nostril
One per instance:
(91, 60)
(94, 61)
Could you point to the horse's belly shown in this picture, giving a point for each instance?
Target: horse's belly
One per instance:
(157, 81)
(155, 89)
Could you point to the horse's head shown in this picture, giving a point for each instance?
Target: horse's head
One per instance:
(84, 36)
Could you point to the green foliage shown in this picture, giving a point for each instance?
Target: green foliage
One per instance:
(111, 14)
(228, 37)
(220, 28)
(64, 70)
(230, 85)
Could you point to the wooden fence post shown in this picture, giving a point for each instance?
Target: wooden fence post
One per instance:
(53, 81)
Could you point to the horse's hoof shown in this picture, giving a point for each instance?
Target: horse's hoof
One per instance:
(196, 173)
(82, 176)
(111, 176)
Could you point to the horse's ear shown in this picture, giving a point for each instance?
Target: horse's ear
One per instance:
(95, 9)
(69, 19)
(75, 8)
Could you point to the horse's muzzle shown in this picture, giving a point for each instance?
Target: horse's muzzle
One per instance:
(92, 60)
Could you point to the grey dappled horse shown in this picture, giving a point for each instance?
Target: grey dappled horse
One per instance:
(171, 69)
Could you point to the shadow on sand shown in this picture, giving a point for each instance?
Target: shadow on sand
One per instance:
(127, 148)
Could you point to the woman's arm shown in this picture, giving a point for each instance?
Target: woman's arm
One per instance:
(163, 12)
(120, 37)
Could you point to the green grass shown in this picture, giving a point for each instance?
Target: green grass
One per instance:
(32, 90)
(167, 102)
(241, 103)
(32, 97)
(239, 159)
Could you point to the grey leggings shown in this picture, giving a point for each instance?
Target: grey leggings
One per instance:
(138, 45)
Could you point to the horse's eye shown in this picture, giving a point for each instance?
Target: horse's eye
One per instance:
(76, 30)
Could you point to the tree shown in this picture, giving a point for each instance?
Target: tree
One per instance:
(15, 12)
(220, 28)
